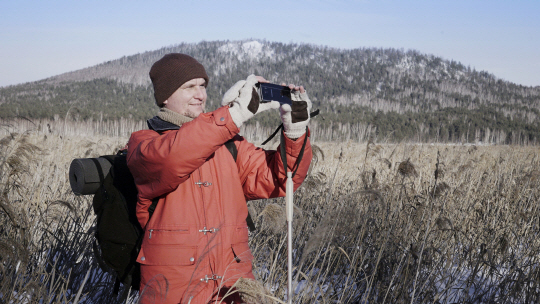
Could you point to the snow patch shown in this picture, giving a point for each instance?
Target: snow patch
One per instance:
(247, 50)
(406, 63)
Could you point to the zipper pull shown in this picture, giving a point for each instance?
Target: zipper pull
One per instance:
(150, 234)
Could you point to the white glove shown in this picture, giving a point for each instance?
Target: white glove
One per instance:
(296, 117)
(243, 101)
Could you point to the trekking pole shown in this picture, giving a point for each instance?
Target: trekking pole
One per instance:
(289, 192)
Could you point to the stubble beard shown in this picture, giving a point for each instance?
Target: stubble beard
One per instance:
(192, 114)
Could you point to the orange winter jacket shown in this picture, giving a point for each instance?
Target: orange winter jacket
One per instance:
(195, 244)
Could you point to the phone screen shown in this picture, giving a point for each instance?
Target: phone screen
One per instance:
(274, 92)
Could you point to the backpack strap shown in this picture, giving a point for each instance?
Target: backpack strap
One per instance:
(232, 148)
(234, 153)
(101, 177)
(152, 207)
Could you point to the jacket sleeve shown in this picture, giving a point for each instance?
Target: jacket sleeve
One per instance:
(159, 163)
(261, 171)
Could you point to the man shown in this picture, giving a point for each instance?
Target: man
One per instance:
(195, 245)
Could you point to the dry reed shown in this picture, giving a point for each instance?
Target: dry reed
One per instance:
(445, 224)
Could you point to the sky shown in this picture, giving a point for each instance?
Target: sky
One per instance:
(39, 39)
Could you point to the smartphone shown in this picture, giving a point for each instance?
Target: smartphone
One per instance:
(274, 92)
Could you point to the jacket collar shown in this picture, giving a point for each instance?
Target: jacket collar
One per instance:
(167, 120)
(157, 124)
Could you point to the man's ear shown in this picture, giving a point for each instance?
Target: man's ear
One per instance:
(165, 102)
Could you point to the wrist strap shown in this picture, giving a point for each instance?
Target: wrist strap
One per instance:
(273, 135)
(311, 115)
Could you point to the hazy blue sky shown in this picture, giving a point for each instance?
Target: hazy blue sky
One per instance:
(39, 39)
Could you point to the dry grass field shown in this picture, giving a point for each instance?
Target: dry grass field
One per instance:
(374, 223)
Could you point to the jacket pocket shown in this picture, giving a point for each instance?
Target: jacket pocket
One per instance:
(179, 235)
(173, 255)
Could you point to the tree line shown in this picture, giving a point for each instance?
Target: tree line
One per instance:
(396, 92)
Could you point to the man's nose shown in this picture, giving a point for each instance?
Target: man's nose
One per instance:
(199, 93)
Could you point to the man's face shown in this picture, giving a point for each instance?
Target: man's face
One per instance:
(189, 100)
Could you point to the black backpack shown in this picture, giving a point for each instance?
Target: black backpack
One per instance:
(118, 233)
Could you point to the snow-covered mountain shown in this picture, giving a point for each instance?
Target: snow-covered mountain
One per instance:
(394, 89)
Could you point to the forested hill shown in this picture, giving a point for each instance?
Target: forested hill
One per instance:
(395, 94)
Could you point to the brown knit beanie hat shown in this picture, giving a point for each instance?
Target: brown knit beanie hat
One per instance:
(171, 72)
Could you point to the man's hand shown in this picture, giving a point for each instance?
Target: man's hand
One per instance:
(296, 117)
(243, 100)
